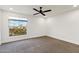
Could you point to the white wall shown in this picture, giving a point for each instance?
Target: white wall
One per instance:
(0, 25)
(65, 27)
(35, 27)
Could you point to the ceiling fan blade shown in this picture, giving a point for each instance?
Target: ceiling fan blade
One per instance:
(35, 13)
(36, 10)
(47, 10)
(43, 14)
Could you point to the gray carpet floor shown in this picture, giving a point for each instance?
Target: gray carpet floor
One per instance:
(39, 45)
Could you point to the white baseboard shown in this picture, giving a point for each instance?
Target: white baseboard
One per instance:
(35, 36)
(70, 41)
(59, 38)
(19, 39)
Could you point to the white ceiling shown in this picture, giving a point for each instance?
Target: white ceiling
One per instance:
(28, 9)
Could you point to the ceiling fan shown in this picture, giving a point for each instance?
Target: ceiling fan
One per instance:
(41, 11)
